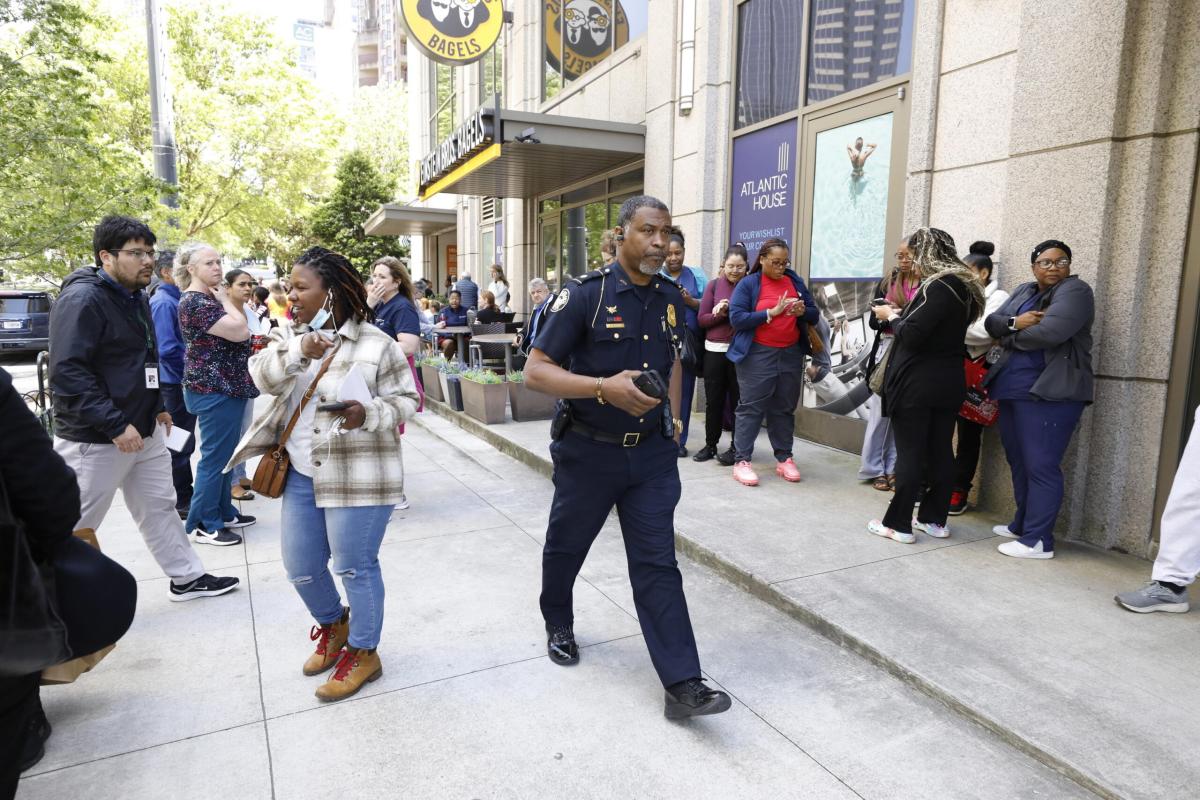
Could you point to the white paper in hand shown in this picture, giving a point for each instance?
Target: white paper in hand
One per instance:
(178, 438)
(354, 387)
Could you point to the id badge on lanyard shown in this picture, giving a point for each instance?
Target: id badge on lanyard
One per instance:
(151, 375)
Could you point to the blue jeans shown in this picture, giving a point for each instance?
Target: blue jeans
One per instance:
(352, 536)
(239, 469)
(1035, 436)
(220, 424)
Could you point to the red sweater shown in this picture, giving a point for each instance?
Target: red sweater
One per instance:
(781, 331)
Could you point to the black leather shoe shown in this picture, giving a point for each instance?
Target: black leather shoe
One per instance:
(34, 747)
(726, 458)
(705, 453)
(682, 451)
(560, 645)
(691, 698)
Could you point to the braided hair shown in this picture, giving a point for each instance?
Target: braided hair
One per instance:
(766, 247)
(343, 282)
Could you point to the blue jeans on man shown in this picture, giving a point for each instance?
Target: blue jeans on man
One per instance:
(351, 536)
(220, 418)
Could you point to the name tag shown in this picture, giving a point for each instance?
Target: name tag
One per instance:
(152, 376)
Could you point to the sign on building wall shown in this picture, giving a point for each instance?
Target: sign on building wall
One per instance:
(593, 31)
(467, 139)
(453, 32)
(762, 189)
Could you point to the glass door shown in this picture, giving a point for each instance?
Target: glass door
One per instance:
(550, 271)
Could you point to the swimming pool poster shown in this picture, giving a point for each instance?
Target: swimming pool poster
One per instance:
(850, 200)
(762, 190)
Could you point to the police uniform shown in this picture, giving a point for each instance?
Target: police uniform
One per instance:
(603, 323)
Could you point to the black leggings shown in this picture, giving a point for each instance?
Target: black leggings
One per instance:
(970, 435)
(96, 600)
(924, 457)
(720, 379)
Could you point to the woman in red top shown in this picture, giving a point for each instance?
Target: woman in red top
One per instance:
(770, 312)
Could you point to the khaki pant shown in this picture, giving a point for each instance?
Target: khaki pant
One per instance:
(144, 479)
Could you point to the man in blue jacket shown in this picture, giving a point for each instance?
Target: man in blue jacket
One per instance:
(164, 308)
(110, 422)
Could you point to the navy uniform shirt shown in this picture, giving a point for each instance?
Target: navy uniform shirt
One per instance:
(605, 324)
(397, 315)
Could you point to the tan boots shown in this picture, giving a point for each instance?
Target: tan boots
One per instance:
(355, 668)
(330, 639)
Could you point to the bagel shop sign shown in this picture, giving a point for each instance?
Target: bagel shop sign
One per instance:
(453, 32)
(467, 139)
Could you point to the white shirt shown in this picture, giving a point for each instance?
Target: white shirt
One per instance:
(299, 444)
(500, 290)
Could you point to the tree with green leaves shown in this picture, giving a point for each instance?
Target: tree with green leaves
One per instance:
(338, 222)
(63, 162)
(377, 128)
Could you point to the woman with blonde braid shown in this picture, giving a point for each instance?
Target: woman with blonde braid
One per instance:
(924, 384)
(340, 490)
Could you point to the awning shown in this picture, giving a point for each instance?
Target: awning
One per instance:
(395, 219)
(520, 154)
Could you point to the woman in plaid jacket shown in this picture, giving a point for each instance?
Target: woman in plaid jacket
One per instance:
(345, 476)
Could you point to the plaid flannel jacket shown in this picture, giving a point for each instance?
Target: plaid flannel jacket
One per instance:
(359, 468)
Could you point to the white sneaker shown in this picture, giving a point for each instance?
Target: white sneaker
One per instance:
(403, 504)
(936, 531)
(1002, 530)
(879, 529)
(1018, 550)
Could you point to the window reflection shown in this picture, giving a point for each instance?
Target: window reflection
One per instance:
(855, 44)
(768, 65)
(579, 34)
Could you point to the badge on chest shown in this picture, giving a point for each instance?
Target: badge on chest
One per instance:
(613, 318)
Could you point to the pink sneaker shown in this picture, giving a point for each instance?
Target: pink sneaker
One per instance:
(788, 471)
(744, 474)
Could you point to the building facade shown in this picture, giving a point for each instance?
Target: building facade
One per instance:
(380, 44)
(841, 125)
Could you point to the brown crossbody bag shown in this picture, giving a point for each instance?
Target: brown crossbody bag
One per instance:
(271, 475)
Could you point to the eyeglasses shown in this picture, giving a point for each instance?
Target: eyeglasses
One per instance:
(144, 255)
(1044, 264)
(902, 258)
(735, 267)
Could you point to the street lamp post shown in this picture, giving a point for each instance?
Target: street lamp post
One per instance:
(162, 118)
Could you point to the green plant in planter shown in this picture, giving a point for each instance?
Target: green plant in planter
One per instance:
(516, 376)
(450, 367)
(484, 376)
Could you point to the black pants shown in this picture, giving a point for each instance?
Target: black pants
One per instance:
(924, 457)
(970, 436)
(96, 600)
(720, 380)
(181, 462)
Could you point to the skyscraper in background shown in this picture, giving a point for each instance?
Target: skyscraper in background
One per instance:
(380, 44)
(856, 43)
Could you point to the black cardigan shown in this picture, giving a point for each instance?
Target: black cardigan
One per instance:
(925, 369)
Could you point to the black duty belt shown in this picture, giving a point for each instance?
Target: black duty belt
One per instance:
(632, 439)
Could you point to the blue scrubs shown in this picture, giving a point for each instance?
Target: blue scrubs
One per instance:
(691, 279)
(1035, 434)
(603, 324)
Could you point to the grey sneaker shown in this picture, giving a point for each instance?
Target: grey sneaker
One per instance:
(1153, 597)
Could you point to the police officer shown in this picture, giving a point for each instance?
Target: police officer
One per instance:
(614, 444)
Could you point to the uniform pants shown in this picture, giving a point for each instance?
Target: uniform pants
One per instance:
(769, 382)
(220, 428)
(181, 462)
(720, 380)
(966, 459)
(1179, 550)
(924, 458)
(144, 479)
(643, 483)
(1035, 435)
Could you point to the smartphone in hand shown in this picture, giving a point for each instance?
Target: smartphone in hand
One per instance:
(334, 408)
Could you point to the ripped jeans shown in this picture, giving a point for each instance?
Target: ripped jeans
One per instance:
(352, 536)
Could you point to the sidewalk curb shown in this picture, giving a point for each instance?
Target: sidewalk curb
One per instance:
(762, 590)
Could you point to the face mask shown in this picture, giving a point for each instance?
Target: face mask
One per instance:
(321, 317)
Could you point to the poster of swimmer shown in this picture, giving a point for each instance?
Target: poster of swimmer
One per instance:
(850, 201)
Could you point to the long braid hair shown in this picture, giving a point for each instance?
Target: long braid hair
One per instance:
(343, 282)
(935, 257)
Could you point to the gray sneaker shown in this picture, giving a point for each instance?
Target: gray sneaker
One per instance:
(1154, 597)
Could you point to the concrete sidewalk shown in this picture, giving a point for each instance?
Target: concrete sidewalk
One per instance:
(206, 698)
(1035, 651)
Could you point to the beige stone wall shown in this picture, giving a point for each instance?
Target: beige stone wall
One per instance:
(1078, 121)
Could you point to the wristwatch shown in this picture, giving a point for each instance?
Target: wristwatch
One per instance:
(1012, 324)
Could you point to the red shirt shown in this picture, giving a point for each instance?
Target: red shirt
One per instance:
(781, 331)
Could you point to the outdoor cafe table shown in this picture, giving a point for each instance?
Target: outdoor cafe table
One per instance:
(458, 332)
(509, 340)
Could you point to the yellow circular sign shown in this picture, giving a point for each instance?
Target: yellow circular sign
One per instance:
(594, 30)
(453, 32)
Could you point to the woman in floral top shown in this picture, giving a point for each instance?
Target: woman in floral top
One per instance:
(216, 387)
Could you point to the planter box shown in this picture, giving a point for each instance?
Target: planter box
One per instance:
(451, 391)
(484, 401)
(529, 405)
(433, 386)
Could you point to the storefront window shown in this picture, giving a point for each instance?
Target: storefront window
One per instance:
(491, 77)
(768, 60)
(594, 30)
(574, 223)
(851, 45)
(444, 96)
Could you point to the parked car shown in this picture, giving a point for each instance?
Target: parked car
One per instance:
(24, 321)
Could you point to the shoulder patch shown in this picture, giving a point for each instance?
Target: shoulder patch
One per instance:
(561, 301)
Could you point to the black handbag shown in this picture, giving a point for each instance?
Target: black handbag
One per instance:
(32, 635)
(691, 355)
